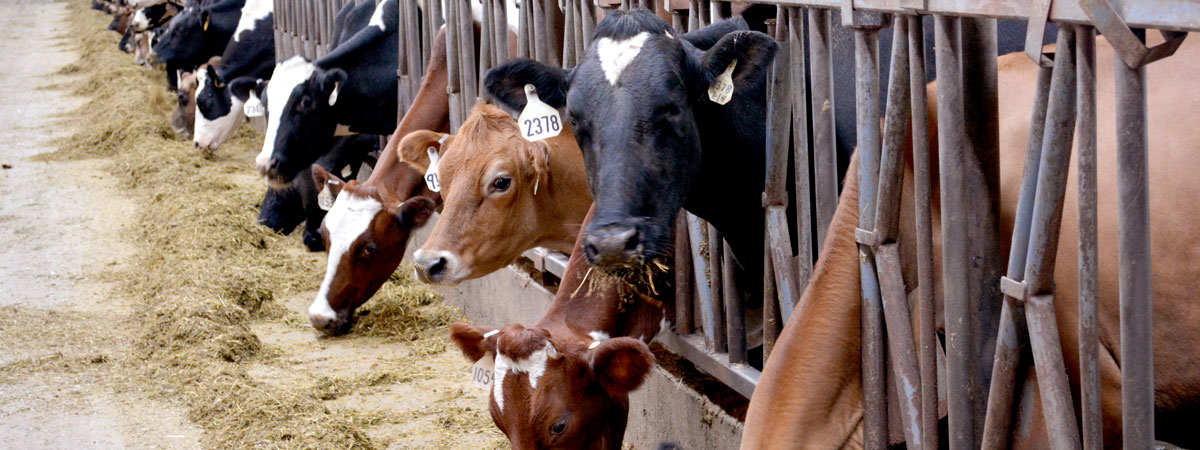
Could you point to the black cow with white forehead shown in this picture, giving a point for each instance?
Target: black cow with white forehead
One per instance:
(653, 140)
(350, 90)
(251, 53)
(198, 33)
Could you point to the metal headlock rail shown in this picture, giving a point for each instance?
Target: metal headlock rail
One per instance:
(980, 347)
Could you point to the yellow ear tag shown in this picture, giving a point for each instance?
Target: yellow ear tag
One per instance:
(721, 89)
(206, 24)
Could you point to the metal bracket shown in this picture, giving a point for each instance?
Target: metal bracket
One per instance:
(1035, 33)
(861, 20)
(1015, 289)
(865, 237)
(1128, 45)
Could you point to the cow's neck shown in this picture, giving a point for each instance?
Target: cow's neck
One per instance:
(367, 102)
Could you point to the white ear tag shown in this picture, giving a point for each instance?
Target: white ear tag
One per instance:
(337, 87)
(431, 174)
(721, 89)
(325, 197)
(482, 372)
(254, 107)
(538, 120)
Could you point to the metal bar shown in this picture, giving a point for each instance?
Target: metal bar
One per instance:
(486, 51)
(866, 84)
(704, 300)
(1133, 204)
(453, 66)
(1089, 327)
(524, 29)
(735, 311)
(589, 24)
(772, 322)
(568, 48)
(895, 131)
(903, 353)
(541, 51)
(961, 368)
(1012, 335)
(694, 15)
(775, 199)
(823, 148)
(413, 50)
(716, 247)
(739, 377)
(466, 41)
(800, 147)
(500, 31)
(923, 198)
(684, 283)
(780, 243)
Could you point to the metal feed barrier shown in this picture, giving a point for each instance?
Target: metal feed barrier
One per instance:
(988, 322)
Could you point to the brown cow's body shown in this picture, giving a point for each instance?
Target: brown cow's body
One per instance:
(576, 366)
(541, 202)
(810, 393)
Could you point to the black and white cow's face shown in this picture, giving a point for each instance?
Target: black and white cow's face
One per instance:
(218, 113)
(300, 119)
(183, 37)
(633, 103)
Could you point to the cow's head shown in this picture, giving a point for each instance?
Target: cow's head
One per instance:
(632, 102)
(300, 119)
(218, 113)
(490, 178)
(365, 234)
(184, 35)
(281, 210)
(558, 391)
(184, 119)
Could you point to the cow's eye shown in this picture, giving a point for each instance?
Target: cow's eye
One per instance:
(558, 427)
(369, 249)
(305, 102)
(501, 183)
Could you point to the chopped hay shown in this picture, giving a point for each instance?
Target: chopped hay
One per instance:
(204, 272)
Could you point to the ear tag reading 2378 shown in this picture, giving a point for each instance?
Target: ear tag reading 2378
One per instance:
(721, 89)
(538, 120)
(254, 107)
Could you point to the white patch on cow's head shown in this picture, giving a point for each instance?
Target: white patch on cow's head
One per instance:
(210, 133)
(348, 219)
(533, 365)
(616, 55)
(140, 21)
(287, 76)
(598, 335)
(377, 17)
(253, 11)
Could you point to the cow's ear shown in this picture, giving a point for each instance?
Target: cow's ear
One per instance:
(470, 339)
(332, 83)
(505, 84)
(323, 178)
(240, 87)
(621, 364)
(752, 50)
(413, 149)
(414, 212)
(537, 158)
(215, 77)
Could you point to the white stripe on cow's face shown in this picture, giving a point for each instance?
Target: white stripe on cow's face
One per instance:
(348, 219)
(211, 133)
(377, 17)
(140, 21)
(616, 55)
(287, 76)
(533, 365)
(253, 11)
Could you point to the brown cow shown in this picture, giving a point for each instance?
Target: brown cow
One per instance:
(365, 243)
(565, 382)
(184, 119)
(810, 394)
(502, 195)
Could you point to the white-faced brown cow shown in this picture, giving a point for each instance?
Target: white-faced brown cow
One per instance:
(810, 393)
(565, 381)
(502, 195)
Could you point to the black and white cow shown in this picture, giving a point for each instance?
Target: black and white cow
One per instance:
(198, 33)
(250, 53)
(153, 16)
(350, 90)
(653, 140)
(283, 209)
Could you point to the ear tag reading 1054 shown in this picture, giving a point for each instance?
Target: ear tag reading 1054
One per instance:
(721, 89)
(431, 174)
(254, 107)
(325, 197)
(483, 372)
(538, 120)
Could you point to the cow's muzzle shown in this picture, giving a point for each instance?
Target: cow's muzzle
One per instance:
(613, 245)
(437, 267)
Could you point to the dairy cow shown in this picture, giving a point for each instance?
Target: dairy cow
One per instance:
(250, 53)
(198, 33)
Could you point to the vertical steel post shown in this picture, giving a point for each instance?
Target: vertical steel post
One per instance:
(775, 198)
(453, 66)
(800, 147)
(866, 83)
(683, 277)
(1133, 203)
(823, 133)
(467, 52)
(716, 249)
(1089, 327)
(952, 143)
(735, 311)
(923, 198)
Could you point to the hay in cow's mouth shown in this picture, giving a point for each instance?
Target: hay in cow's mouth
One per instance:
(206, 274)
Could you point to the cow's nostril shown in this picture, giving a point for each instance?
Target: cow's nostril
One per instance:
(436, 267)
